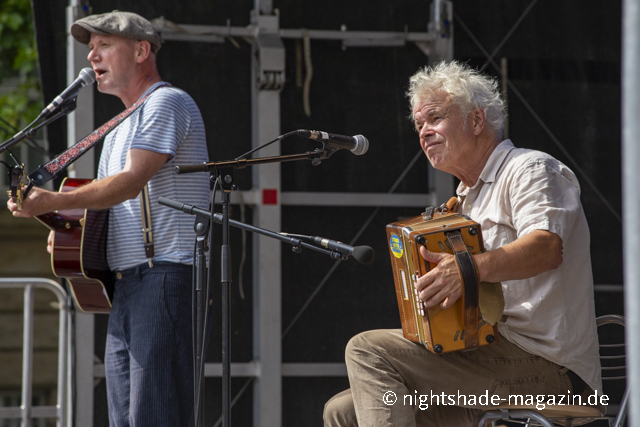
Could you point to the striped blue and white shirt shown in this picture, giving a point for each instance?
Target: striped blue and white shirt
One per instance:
(168, 122)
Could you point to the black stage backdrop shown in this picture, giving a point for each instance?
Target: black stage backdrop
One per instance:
(563, 58)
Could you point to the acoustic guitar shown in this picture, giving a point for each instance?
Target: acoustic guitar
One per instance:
(79, 251)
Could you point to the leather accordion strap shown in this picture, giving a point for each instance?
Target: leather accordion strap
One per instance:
(147, 233)
(469, 274)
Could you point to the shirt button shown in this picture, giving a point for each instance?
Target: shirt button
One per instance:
(469, 206)
(119, 275)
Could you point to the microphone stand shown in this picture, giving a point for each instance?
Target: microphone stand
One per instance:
(16, 173)
(224, 171)
(27, 132)
(200, 300)
(226, 181)
(201, 226)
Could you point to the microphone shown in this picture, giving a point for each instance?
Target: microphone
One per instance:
(86, 77)
(362, 254)
(357, 144)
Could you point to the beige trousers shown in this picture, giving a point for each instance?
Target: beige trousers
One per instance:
(395, 382)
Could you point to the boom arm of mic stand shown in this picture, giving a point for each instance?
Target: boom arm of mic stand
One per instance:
(217, 218)
(27, 132)
(315, 156)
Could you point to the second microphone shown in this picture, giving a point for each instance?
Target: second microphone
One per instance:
(357, 144)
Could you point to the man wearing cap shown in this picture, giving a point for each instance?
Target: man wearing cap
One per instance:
(148, 357)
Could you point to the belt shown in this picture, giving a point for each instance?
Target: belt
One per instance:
(142, 268)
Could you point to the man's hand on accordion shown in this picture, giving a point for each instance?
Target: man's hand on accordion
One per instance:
(442, 284)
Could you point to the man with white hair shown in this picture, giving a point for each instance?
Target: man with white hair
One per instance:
(537, 245)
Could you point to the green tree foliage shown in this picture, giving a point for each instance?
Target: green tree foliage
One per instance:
(18, 59)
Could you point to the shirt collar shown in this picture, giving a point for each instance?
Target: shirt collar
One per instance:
(491, 169)
(153, 87)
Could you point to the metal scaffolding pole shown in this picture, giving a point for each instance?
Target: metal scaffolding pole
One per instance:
(79, 125)
(267, 78)
(631, 199)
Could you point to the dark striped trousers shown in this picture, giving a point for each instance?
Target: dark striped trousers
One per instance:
(149, 351)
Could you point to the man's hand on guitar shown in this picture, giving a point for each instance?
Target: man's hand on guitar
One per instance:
(36, 203)
(441, 285)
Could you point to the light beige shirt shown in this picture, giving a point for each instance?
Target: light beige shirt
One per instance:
(551, 315)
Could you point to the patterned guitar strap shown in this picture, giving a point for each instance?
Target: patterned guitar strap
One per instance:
(51, 169)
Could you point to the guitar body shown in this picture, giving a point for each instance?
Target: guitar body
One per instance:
(79, 252)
